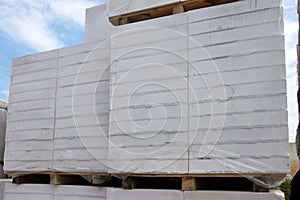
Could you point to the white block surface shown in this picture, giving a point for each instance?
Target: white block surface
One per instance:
(157, 116)
(222, 195)
(97, 25)
(50, 192)
(82, 109)
(31, 110)
(232, 62)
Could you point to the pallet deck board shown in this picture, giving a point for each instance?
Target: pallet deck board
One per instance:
(166, 10)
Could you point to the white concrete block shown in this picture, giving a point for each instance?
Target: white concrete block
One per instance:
(231, 9)
(225, 195)
(84, 100)
(237, 34)
(149, 37)
(50, 192)
(72, 70)
(239, 62)
(149, 166)
(33, 86)
(28, 145)
(175, 61)
(30, 115)
(232, 21)
(242, 136)
(29, 135)
(48, 55)
(32, 95)
(236, 151)
(240, 105)
(237, 49)
(12, 167)
(94, 55)
(100, 109)
(119, 194)
(32, 155)
(79, 192)
(97, 25)
(250, 120)
(34, 66)
(88, 165)
(78, 49)
(85, 120)
(260, 74)
(88, 131)
(240, 166)
(29, 125)
(35, 104)
(34, 76)
(27, 191)
(239, 91)
(103, 89)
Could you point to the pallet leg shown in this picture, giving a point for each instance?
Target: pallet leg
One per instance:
(128, 183)
(67, 180)
(178, 9)
(189, 183)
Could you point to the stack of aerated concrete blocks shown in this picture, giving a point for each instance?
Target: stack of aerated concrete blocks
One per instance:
(199, 92)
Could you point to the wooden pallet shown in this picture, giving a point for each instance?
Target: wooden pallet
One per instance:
(185, 182)
(165, 11)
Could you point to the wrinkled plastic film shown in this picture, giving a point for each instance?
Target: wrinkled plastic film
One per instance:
(201, 92)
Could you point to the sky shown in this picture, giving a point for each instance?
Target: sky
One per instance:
(31, 26)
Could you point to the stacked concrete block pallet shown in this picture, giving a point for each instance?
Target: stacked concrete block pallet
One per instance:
(31, 113)
(148, 79)
(196, 94)
(41, 132)
(241, 90)
(224, 68)
(82, 103)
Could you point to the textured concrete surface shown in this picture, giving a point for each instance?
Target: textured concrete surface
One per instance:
(97, 25)
(196, 92)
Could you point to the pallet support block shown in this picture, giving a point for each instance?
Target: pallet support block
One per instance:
(189, 183)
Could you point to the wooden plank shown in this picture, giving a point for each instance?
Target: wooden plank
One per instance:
(20, 173)
(165, 10)
(189, 183)
(185, 182)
